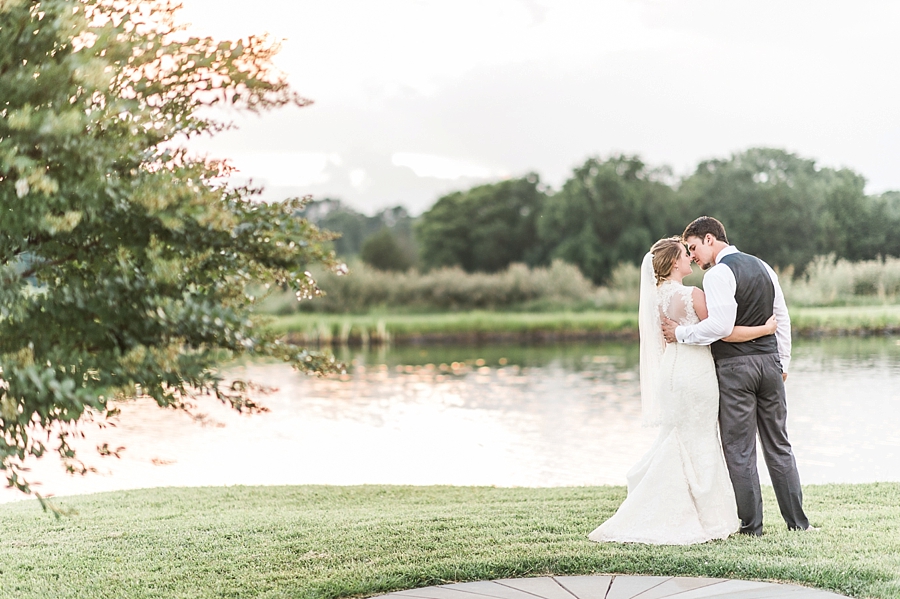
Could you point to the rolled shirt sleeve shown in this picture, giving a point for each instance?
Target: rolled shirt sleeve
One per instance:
(719, 285)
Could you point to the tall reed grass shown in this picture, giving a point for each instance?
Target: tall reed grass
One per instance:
(831, 282)
(561, 287)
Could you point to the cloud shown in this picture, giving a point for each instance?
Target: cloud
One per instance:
(285, 168)
(441, 167)
(421, 97)
(370, 181)
(357, 177)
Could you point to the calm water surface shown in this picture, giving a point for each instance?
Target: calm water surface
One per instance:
(494, 415)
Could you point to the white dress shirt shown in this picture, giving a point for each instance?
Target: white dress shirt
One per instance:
(720, 285)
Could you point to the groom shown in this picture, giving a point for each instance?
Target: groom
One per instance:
(743, 290)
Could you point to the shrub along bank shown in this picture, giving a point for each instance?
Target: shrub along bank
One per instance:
(371, 306)
(561, 287)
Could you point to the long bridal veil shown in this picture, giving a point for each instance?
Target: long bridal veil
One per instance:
(652, 344)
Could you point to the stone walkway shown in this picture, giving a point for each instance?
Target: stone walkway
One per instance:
(614, 587)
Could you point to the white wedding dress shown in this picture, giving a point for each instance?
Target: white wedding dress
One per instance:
(680, 492)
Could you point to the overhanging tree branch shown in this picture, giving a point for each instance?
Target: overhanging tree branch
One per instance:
(156, 253)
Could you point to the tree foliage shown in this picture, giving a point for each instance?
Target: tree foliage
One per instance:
(381, 251)
(607, 213)
(887, 218)
(354, 228)
(787, 210)
(771, 203)
(125, 262)
(485, 228)
(775, 204)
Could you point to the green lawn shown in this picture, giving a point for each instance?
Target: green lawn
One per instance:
(323, 542)
(337, 327)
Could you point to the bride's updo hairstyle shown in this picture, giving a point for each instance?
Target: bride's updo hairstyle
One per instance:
(665, 252)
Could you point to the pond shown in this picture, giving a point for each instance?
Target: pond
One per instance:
(494, 415)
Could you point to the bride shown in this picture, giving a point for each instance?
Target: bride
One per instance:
(680, 492)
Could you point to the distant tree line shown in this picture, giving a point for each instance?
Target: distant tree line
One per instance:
(385, 240)
(777, 205)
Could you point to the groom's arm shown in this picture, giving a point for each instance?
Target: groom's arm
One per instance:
(720, 285)
(783, 331)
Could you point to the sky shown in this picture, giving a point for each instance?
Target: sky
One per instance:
(414, 99)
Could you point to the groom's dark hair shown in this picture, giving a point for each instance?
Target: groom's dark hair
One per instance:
(703, 226)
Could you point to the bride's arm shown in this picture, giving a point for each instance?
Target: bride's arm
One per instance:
(738, 334)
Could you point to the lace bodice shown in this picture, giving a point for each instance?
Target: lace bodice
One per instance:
(675, 302)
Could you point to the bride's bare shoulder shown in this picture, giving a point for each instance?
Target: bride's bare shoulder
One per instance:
(699, 301)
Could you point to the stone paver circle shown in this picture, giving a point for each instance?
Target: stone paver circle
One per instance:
(613, 587)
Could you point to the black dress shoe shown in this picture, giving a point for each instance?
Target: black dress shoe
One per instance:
(751, 533)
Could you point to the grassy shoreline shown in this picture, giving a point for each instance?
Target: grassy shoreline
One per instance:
(481, 326)
(320, 542)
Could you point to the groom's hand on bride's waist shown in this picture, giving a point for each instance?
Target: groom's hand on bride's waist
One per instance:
(668, 329)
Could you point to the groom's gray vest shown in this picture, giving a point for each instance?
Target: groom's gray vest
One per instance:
(755, 296)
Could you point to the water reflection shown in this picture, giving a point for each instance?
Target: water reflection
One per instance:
(495, 415)
(844, 403)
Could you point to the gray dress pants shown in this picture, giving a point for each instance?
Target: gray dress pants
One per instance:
(752, 399)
